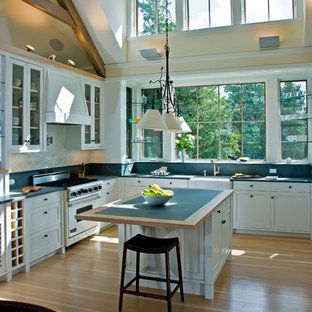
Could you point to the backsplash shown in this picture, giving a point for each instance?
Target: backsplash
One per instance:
(56, 155)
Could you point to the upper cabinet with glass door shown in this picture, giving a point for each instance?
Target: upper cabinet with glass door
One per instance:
(25, 96)
(92, 137)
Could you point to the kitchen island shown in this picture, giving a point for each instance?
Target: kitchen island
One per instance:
(201, 219)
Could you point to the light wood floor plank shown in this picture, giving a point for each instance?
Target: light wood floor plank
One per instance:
(266, 274)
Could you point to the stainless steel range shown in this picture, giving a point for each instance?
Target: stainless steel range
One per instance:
(81, 195)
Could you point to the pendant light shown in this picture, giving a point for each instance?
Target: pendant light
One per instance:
(168, 121)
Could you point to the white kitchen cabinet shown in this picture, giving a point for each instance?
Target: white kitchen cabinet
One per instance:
(15, 237)
(44, 230)
(88, 137)
(110, 190)
(273, 206)
(290, 206)
(25, 117)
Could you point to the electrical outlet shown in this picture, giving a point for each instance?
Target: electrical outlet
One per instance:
(12, 182)
(272, 170)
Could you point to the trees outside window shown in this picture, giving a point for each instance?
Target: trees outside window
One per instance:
(151, 17)
(294, 119)
(227, 120)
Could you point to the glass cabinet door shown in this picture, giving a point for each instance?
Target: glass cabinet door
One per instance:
(87, 134)
(18, 97)
(97, 115)
(34, 107)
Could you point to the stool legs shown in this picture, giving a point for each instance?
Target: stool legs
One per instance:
(168, 282)
(137, 271)
(180, 271)
(122, 277)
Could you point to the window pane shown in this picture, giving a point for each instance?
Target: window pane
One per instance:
(281, 9)
(208, 103)
(198, 14)
(293, 100)
(230, 140)
(208, 140)
(146, 17)
(253, 102)
(230, 103)
(220, 13)
(294, 139)
(256, 11)
(186, 99)
(161, 17)
(254, 140)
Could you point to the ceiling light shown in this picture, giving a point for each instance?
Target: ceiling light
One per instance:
(29, 48)
(166, 95)
(70, 63)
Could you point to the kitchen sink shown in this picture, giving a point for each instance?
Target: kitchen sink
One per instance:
(211, 182)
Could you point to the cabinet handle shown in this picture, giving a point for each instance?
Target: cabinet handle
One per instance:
(251, 185)
(27, 141)
(45, 212)
(107, 193)
(223, 221)
(289, 186)
(46, 235)
(218, 211)
(108, 183)
(45, 199)
(272, 197)
(251, 196)
(92, 140)
(139, 181)
(170, 183)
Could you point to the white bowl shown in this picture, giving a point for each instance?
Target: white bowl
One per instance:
(157, 200)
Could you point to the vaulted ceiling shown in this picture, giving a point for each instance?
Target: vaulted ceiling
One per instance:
(22, 23)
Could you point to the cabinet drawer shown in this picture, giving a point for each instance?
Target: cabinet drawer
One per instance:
(171, 182)
(45, 242)
(137, 181)
(290, 187)
(39, 201)
(110, 183)
(44, 217)
(252, 186)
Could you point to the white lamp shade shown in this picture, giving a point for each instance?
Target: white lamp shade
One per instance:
(171, 122)
(152, 120)
(183, 125)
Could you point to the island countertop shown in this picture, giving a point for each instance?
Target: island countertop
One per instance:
(186, 210)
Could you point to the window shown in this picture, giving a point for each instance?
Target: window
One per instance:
(268, 10)
(209, 13)
(151, 16)
(227, 120)
(294, 119)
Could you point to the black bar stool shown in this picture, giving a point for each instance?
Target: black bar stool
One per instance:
(151, 245)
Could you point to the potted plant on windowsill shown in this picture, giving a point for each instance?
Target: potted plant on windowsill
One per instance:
(185, 143)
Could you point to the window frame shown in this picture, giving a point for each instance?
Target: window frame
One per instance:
(219, 122)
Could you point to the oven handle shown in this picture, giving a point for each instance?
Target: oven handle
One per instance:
(71, 203)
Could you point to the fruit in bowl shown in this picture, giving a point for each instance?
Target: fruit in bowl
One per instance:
(156, 196)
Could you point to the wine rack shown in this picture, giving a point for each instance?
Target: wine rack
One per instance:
(17, 250)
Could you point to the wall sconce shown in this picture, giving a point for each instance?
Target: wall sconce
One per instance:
(151, 53)
(29, 48)
(269, 42)
(70, 63)
(52, 57)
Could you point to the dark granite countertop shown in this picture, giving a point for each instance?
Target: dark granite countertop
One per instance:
(280, 179)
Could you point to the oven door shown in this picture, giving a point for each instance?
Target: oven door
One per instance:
(75, 226)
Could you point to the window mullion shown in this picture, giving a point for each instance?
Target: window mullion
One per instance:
(242, 116)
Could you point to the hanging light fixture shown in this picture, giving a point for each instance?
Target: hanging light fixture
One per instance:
(152, 119)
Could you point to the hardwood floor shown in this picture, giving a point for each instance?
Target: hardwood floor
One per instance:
(266, 274)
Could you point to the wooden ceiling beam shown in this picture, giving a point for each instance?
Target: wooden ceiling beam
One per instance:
(67, 13)
(53, 10)
(84, 37)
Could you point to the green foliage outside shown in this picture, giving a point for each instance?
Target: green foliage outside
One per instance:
(153, 13)
(228, 121)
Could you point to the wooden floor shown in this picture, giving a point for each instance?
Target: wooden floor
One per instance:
(266, 274)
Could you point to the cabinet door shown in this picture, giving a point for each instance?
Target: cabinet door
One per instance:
(2, 241)
(92, 134)
(25, 96)
(291, 211)
(252, 210)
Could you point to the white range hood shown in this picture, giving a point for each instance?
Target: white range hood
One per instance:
(65, 101)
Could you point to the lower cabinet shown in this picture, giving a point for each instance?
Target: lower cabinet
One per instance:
(43, 219)
(3, 248)
(274, 206)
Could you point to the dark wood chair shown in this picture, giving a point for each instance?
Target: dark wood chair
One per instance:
(16, 306)
(151, 245)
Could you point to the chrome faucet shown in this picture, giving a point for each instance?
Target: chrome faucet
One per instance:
(216, 170)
